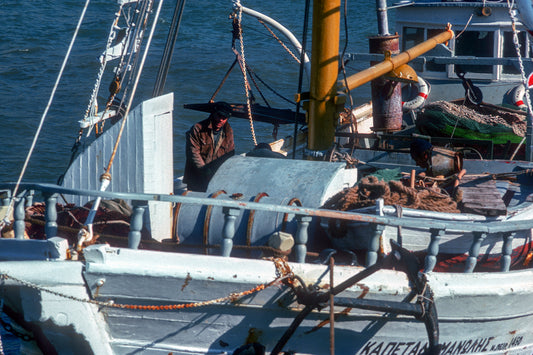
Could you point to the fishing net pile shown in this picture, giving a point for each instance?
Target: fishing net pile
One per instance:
(112, 220)
(444, 118)
(370, 188)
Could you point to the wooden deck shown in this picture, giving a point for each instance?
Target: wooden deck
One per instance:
(481, 196)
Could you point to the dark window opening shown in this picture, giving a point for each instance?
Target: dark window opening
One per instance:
(430, 65)
(510, 51)
(475, 44)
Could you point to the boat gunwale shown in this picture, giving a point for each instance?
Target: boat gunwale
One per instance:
(140, 198)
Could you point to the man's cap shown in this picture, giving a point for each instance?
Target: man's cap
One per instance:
(223, 109)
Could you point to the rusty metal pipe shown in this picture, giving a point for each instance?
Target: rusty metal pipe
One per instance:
(388, 65)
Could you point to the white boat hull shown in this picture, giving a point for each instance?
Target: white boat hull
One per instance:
(477, 313)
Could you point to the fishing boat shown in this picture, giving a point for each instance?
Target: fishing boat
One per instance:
(247, 267)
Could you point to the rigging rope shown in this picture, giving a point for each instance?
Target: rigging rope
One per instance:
(300, 75)
(92, 108)
(32, 147)
(280, 42)
(106, 176)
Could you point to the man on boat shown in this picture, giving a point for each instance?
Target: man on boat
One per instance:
(208, 144)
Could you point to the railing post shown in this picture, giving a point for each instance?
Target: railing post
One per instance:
(50, 227)
(471, 261)
(230, 216)
(19, 214)
(29, 198)
(136, 224)
(301, 237)
(373, 245)
(6, 197)
(433, 249)
(507, 250)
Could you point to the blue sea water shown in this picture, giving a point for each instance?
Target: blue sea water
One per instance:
(35, 37)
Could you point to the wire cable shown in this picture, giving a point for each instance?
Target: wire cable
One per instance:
(43, 117)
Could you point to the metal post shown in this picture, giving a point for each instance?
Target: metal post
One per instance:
(507, 249)
(19, 215)
(433, 249)
(50, 228)
(373, 245)
(136, 224)
(301, 237)
(6, 198)
(230, 216)
(29, 198)
(383, 21)
(474, 251)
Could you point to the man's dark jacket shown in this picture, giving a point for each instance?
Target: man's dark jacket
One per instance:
(203, 158)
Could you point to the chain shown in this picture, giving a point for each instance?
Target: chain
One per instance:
(522, 71)
(519, 55)
(283, 272)
(245, 77)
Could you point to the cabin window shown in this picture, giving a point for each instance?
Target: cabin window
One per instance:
(472, 44)
(412, 36)
(510, 51)
(432, 32)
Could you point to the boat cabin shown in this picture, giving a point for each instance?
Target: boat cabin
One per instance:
(483, 48)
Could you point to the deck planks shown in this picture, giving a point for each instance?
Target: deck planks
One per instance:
(481, 196)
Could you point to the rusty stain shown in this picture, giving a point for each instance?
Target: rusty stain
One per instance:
(207, 220)
(211, 278)
(512, 332)
(326, 321)
(365, 290)
(251, 216)
(186, 283)
(293, 201)
(237, 196)
(253, 336)
(175, 232)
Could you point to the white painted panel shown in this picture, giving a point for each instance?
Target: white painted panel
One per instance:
(143, 163)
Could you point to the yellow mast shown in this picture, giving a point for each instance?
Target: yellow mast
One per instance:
(324, 102)
(324, 73)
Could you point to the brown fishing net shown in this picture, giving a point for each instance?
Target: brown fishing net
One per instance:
(371, 188)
